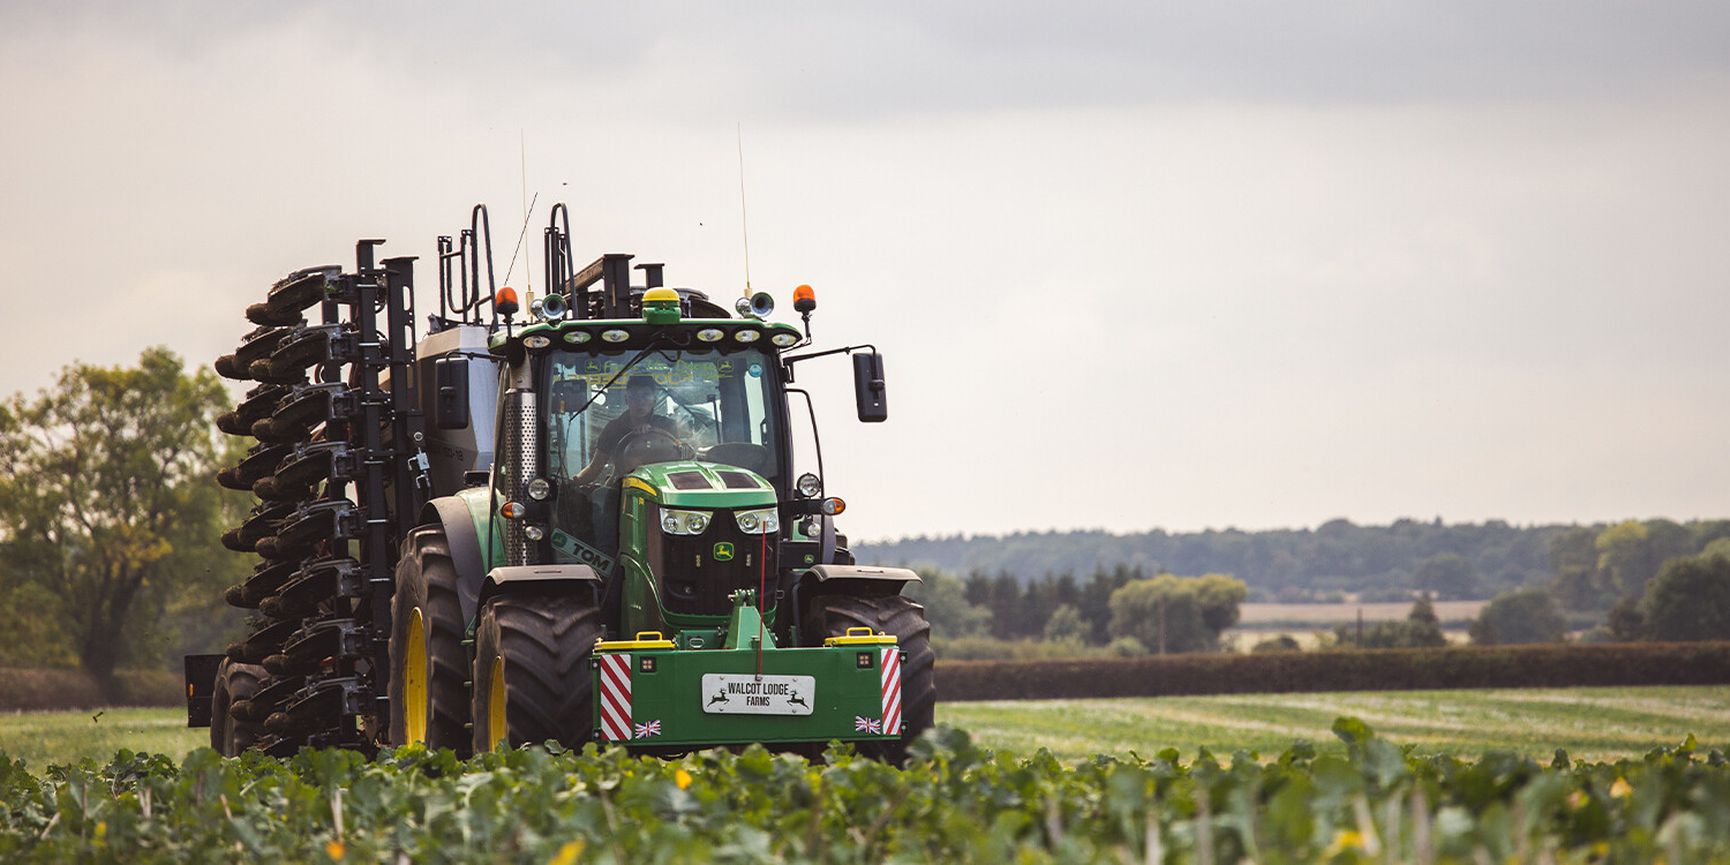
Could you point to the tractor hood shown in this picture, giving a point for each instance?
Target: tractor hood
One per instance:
(704, 485)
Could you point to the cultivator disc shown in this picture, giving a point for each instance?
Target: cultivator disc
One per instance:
(332, 471)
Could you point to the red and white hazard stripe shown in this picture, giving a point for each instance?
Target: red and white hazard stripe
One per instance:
(891, 665)
(615, 697)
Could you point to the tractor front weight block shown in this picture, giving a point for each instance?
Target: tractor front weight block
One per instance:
(650, 693)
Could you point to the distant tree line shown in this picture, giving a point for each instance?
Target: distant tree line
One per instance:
(1589, 568)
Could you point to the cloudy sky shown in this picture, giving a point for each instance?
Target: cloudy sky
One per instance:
(1131, 265)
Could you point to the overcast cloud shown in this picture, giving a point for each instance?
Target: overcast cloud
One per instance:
(1251, 264)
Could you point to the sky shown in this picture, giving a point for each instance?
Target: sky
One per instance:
(1130, 266)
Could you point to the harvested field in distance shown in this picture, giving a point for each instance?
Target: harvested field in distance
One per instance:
(1328, 615)
(1590, 723)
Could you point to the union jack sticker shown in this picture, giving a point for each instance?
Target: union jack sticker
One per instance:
(862, 724)
(652, 728)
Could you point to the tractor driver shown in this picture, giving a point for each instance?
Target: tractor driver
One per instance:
(633, 438)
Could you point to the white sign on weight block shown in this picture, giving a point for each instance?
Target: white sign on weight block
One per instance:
(746, 694)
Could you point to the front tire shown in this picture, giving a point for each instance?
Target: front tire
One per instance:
(832, 615)
(429, 698)
(531, 669)
(234, 682)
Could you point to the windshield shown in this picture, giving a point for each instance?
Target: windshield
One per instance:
(673, 404)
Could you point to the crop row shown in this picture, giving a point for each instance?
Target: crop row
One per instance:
(1376, 803)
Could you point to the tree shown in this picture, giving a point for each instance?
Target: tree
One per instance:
(1690, 599)
(1066, 625)
(1420, 629)
(1522, 616)
(1574, 564)
(1625, 622)
(946, 605)
(107, 498)
(1177, 614)
(1449, 576)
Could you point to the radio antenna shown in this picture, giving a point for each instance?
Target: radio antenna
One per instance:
(744, 218)
(523, 166)
(520, 235)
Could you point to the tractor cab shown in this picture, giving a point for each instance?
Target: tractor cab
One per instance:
(669, 472)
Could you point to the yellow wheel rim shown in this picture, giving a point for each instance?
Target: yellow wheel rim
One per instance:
(414, 681)
(496, 706)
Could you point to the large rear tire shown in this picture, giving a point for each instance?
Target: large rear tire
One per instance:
(832, 615)
(234, 681)
(429, 698)
(531, 669)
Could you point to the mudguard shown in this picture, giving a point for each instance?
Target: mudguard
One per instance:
(465, 547)
(857, 580)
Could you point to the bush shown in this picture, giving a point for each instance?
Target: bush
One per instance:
(1066, 626)
(1537, 666)
(979, 648)
(1421, 629)
(1281, 643)
(1523, 616)
(1127, 647)
(1177, 614)
(48, 690)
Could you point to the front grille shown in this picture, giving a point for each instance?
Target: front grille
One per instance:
(694, 579)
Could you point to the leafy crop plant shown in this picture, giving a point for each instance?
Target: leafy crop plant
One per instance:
(1379, 802)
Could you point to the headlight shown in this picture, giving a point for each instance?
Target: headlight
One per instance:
(539, 489)
(684, 522)
(763, 521)
(534, 533)
(537, 341)
(809, 485)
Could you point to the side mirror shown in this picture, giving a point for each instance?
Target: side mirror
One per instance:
(451, 396)
(868, 388)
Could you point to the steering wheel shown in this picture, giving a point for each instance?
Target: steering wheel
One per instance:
(649, 445)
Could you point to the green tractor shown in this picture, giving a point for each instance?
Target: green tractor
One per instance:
(578, 522)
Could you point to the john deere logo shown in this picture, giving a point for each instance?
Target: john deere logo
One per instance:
(723, 552)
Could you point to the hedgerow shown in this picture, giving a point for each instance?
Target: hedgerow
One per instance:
(1378, 802)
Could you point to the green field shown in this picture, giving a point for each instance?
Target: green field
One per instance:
(1591, 723)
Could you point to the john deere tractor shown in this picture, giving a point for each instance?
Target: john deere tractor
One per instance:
(577, 520)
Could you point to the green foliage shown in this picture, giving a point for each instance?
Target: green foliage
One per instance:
(1690, 598)
(1066, 625)
(1525, 616)
(32, 613)
(1450, 576)
(947, 607)
(1420, 629)
(1337, 557)
(107, 500)
(1177, 614)
(955, 802)
(986, 648)
(1281, 643)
